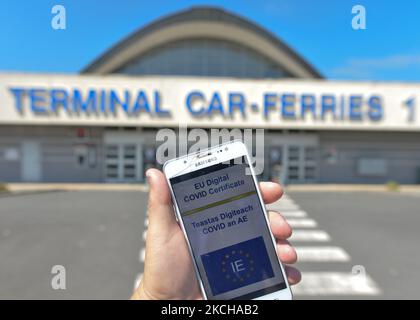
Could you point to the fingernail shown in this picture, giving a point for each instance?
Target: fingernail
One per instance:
(148, 176)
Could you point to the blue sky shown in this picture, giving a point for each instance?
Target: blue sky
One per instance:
(320, 30)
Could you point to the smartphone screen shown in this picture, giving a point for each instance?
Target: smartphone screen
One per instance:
(227, 231)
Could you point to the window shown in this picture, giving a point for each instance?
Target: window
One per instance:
(122, 162)
(205, 57)
(293, 153)
(310, 173)
(293, 173)
(129, 171)
(310, 154)
(112, 171)
(130, 152)
(112, 152)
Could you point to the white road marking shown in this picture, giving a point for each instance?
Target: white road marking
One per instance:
(142, 255)
(294, 214)
(321, 254)
(310, 235)
(322, 283)
(137, 280)
(146, 222)
(313, 283)
(284, 208)
(144, 235)
(335, 283)
(302, 223)
(285, 202)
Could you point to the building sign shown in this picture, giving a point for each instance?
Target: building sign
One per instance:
(207, 102)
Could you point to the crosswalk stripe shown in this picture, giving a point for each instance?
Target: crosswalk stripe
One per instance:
(318, 283)
(321, 254)
(302, 223)
(335, 283)
(142, 255)
(310, 235)
(286, 203)
(137, 280)
(294, 214)
(284, 208)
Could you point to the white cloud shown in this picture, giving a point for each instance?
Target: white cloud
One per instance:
(365, 68)
(277, 8)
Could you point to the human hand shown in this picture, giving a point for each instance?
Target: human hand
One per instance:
(168, 267)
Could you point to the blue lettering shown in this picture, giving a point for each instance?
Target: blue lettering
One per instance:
(307, 103)
(288, 105)
(58, 98)
(88, 105)
(191, 98)
(18, 94)
(215, 104)
(103, 101)
(236, 101)
(141, 104)
(114, 100)
(270, 100)
(158, 110)
(375, 108)
(327, 104)
(355, 112)
(37, 100)
(342, 107)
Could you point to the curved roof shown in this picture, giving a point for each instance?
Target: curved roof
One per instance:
(202, 22)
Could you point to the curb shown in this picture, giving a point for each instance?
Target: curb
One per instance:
(45, 187)
(405, 189)
(48, 187)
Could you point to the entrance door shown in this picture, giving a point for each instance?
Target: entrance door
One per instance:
(123, 156)
(301, 164)
(31, 161)
(293, 158)
(122, 162)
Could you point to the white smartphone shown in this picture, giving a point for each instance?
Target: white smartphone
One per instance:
(219, 207)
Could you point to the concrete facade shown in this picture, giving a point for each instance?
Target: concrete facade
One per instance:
(335, 159)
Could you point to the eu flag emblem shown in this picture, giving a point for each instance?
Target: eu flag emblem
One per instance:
(237, 266)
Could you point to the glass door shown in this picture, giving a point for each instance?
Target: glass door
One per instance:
(122, 162)
(294, 164)
(129, 162)
(301, 164)
(112, 162)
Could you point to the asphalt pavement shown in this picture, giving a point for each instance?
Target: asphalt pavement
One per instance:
(379, 232)
(351, 245)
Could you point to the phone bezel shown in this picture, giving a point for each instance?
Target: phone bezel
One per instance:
(221, 153)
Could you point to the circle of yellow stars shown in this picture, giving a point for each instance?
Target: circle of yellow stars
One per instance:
(237, 253)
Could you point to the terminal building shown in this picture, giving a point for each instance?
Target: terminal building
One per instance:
(205, 68)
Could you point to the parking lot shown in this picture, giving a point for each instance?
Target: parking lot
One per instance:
(98, 237)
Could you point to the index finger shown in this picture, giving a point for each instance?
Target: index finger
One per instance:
(270, 191)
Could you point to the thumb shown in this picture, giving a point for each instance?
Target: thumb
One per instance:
(160, 210)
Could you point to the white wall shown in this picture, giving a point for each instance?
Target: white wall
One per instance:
(173, 92)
